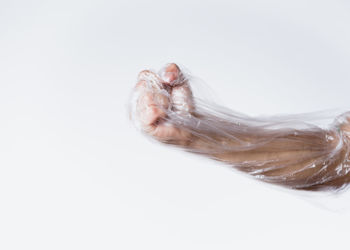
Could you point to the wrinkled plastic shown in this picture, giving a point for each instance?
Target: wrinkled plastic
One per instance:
(291, 150)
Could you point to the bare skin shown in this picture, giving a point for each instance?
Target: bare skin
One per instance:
(151, 109)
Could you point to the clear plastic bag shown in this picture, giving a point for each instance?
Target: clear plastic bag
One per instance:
(292, 150)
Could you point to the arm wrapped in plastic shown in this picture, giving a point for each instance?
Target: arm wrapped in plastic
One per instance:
(282, 150)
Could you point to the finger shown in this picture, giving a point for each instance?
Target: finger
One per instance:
(182, 99)
(148, 111)
(181, 94)
(171, 75)
(152, 101)
(151, 79)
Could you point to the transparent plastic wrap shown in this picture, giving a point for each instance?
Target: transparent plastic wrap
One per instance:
(291, 151)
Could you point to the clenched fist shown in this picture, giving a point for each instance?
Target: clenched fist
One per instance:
(156, 97)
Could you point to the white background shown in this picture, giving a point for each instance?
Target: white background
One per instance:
(74, 172)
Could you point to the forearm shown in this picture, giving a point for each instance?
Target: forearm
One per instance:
(305, 159)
